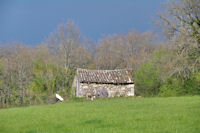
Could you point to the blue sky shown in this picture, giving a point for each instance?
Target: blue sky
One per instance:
(31, 21)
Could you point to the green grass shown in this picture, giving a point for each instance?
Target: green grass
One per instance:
(116, 115)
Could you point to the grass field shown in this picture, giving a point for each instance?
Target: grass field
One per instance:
(115, 115)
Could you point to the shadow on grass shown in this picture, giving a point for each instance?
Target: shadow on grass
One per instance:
(31, 131)
(97, 123)
(93, 121)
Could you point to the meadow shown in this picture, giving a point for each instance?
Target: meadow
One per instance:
(113, 115)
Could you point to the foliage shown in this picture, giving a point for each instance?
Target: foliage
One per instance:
(171, 87)
(49, 79)
(147, 80)
(177, 87)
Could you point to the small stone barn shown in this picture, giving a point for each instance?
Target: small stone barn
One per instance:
(103, 83)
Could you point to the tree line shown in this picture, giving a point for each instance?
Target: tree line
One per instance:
(32, 74)
(174, 69)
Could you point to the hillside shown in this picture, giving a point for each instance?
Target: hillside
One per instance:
(117, 115)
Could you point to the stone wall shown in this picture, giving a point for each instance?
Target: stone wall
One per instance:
(86, 89)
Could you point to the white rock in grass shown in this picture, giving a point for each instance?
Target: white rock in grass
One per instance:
(59, 97)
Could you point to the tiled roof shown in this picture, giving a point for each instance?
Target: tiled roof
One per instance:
(119, 76)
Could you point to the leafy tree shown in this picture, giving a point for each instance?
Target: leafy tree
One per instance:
(49, 79)
(147, 80)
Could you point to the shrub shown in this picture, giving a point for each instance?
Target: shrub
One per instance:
(147, 80)
(176, 86)
(171, 87)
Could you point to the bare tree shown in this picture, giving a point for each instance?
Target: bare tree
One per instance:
(64, 42)
(17, 61)
(139, 47)
(124, 51)
(108, 54)
(181, 23)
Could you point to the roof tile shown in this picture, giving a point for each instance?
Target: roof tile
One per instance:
(118, 76)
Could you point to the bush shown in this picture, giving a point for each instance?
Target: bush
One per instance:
(147, 80)
(171, 87)
(50, 79)
(177, 87)
(192, 85)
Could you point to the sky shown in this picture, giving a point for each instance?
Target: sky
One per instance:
(31, 21)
